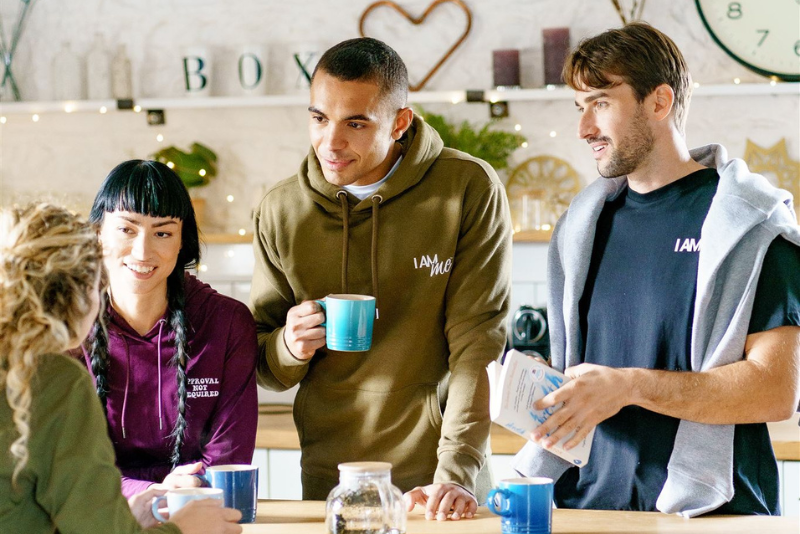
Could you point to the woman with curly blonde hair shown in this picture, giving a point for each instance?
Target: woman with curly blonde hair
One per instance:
(57, 471)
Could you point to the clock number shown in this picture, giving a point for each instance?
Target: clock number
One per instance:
(763, 37)
(735, 10)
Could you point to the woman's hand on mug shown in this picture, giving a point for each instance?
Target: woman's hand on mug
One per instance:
(303, 334)
(182, 476)
(141, 506)
(207, 516)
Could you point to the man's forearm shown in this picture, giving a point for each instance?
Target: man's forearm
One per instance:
(763, 387)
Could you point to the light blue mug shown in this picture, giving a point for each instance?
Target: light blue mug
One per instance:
(239, 484)
(348, 322)
(178, 498)
(525, 505)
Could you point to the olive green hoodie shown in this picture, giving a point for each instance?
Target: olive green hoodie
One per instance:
(70, 483)
(433, 244)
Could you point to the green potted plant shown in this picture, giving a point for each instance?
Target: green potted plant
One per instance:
(485, 142)
(196, 168)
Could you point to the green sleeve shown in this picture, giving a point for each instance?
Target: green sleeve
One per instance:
(477, 302)
(77, 483)
(271, 297)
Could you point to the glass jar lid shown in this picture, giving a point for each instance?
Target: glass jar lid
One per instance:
(365, 468)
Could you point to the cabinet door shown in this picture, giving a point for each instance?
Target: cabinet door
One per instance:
(790, 488)
(284, 475)
(261, 461)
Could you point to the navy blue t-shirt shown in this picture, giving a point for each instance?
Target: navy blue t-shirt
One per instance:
(636, 311)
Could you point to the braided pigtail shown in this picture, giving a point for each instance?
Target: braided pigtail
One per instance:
(177, 321)
(98, 357)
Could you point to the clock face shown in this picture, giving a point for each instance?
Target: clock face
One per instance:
(762, 35)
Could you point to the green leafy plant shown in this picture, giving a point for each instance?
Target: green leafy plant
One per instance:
(196, 167)
(491, 145)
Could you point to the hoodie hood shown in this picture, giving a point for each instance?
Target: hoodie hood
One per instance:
(197, 292)
(421, 146)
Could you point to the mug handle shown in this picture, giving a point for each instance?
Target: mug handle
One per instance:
(505, 503)
(321, 302)
(156, 505)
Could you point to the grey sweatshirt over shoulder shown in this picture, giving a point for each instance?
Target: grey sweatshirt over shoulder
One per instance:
(746, 215)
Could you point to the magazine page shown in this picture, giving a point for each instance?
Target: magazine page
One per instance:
(515, 386)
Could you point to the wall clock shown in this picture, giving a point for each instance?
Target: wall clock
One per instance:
(762, 35)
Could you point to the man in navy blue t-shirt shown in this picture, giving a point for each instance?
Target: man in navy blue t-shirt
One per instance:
(674, 302)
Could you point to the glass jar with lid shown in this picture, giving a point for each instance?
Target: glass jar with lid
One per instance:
(365, 501)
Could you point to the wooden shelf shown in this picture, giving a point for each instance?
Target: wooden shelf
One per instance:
(226, 239)
(533, 236)
(420, 97)
(525, 236)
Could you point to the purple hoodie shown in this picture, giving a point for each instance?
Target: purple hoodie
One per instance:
(221, 404)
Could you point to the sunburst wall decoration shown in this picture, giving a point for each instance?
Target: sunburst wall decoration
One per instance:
(776, 165)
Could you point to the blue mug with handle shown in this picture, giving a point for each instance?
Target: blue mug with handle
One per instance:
(348, 322)
(525, 505)
(178, 498)
(239, 485)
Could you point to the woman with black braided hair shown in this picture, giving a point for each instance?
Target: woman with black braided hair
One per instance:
(176, 369)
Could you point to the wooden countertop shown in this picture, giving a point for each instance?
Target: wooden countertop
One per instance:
(276, 431)
(308, 517)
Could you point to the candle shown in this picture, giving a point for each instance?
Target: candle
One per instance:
(556, 47)
(506, 68)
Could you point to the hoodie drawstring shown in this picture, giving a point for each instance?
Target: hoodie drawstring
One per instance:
(127, 386)
(376, 200)
(345, 235)
(161, 323)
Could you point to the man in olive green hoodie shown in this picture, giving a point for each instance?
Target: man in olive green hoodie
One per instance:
(379, 207)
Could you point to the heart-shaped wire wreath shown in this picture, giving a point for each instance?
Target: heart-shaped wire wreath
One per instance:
(417, 21)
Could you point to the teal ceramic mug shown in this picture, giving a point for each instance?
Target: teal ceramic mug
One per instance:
(525, 505)
(178, 498)
(348, 322)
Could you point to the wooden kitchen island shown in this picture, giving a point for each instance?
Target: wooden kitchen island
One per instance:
(308, 517)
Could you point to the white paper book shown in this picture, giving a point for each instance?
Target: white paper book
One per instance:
(515, 386)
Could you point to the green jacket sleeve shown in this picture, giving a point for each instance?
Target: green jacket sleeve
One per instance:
(477, 301)
(271, 297)
(72, 459)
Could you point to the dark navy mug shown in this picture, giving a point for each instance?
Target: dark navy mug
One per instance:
(239, 483)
